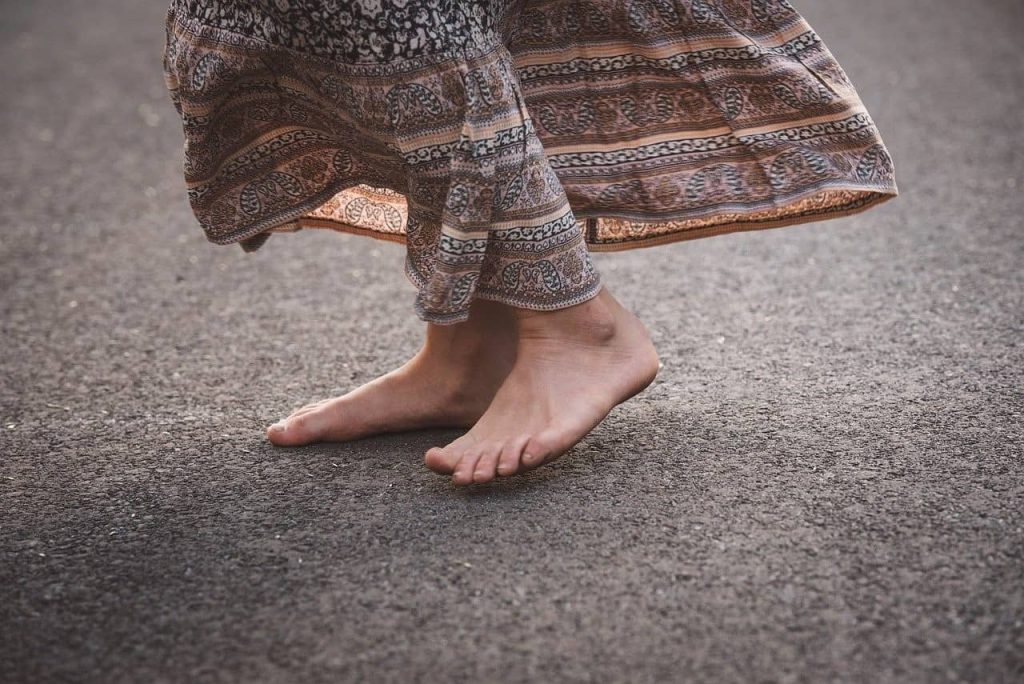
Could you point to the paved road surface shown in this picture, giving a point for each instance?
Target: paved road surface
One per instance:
(825, 483)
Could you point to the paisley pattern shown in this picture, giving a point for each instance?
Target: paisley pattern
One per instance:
(500, 139)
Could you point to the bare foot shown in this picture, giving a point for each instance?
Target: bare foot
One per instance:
(572, 367)
(449, 383)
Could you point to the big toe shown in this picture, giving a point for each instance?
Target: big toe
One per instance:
(293, 431)
(543, 448)
(441, 460)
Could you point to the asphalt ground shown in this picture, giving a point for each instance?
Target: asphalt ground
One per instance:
(825, 483)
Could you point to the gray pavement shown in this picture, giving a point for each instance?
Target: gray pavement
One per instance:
(824, 484)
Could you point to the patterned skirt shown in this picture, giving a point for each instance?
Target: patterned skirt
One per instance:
(500, 139)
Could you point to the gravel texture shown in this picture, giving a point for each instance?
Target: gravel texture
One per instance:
(825, 483)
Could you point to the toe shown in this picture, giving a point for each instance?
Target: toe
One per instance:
(275, 433)
(293, 431)
(538, 450)
(488, 463)
(441, 460)
(463, 474)
(508, 463)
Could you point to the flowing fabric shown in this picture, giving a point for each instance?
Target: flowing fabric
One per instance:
(499, 139)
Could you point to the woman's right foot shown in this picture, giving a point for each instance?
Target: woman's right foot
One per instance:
(573, 366)
(449, 383)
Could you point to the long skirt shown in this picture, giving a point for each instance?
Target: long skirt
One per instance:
(501, 140)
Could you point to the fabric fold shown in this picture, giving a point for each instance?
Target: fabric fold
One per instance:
(506, 231)
(500, 140)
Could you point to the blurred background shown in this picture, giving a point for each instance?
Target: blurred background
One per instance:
(825, 482)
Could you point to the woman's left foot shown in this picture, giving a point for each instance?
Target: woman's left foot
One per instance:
(572, 367)
(449, 383)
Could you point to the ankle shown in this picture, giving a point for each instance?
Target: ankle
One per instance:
(593, 321)
(454, 345)
(460, 360)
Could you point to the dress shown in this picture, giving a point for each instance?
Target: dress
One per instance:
(500, 139)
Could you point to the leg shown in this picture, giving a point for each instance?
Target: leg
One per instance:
(448, 383)
(572, 367)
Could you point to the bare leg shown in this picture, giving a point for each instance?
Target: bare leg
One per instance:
(572, 367)
(448, 383)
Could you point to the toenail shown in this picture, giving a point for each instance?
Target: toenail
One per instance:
(277, 427)
(530, 458)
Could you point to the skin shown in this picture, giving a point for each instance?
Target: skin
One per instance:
(449, 383)
(528, 384)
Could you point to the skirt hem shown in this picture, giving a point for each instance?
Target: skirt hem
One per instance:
(870, 198)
